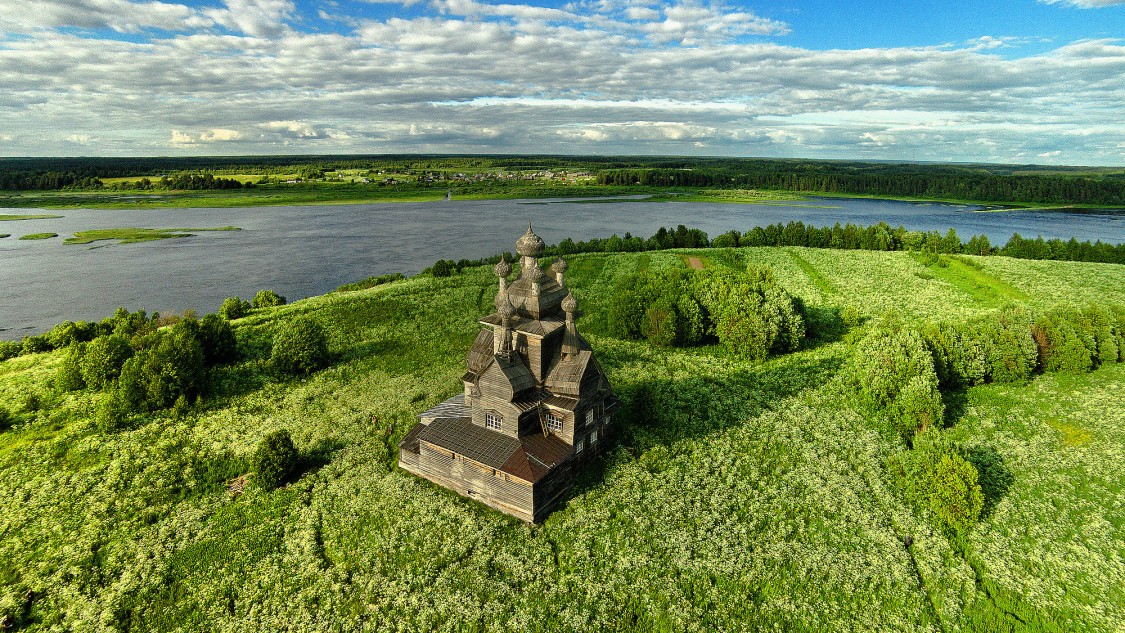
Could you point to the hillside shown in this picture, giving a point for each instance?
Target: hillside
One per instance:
(738, 496)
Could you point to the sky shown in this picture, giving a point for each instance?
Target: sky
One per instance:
(1000, 81)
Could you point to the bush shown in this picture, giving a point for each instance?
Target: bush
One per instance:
(103, 359)
(937, 480)
(68, 333)
(69, 377)
(268, 299)
(1009, 346)
(660, 325)
(300, 346)
(158, 375)
(9, 349)
(893, 375)
(959, 354)
(274, 459)
(1062, 346)
(442, 268)
(6, 419)
(36, 344)
(234, 308)
(1118, 312)
(1101, 324)
(217, 340)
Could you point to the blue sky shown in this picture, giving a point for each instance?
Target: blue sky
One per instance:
(1010, 81)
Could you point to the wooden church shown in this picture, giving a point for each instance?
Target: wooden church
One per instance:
(535, 407)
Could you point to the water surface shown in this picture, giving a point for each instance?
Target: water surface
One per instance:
(301, 251)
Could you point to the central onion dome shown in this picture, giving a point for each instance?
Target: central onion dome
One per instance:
(530, 245)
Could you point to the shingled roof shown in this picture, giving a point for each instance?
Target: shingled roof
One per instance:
(529, 457)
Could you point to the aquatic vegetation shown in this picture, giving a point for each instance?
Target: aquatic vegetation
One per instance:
(134, 235)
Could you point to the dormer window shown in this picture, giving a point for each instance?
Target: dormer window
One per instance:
(554, 422)
(492, 421)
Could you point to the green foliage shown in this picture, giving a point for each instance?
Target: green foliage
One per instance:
(216, 338)
(442, 268)
(102, 360)
(6, 419)
(892, 374)
(268, 299)
(1064, 345)
(1009, 347)
(36, 344)
(234, 308)
(300, 346)
(68, 333)
(371, 282)
(274, 459)
(69, 375)
(9, 349)
(850, 316)
(158, 375)
(935, 478)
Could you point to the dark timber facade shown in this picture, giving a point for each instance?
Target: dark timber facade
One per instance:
(535, 407)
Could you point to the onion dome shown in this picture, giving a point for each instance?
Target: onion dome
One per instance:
(503, 268)
(569, 303)
(535, 274)
(530, 245)
(560, 265)
(506, 309)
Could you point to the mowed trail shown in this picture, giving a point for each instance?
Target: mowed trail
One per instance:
(695, 263)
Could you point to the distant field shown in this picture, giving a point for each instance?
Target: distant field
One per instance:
(745, 496)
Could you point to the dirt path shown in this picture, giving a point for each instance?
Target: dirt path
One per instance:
(695, 262)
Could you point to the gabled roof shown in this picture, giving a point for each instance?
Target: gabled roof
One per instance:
(539, 328)
(463, 437)
(566, 372)
(452, 408)
(528, 458)
(536, 306)
(481, 352)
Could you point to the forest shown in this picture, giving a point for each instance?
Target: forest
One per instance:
(967, 481)
(1014, 184)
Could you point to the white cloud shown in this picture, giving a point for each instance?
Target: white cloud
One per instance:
(1050, 154)
(586, 77)
(119, 15)
(219, 135)
(259, 18)
(181, 139)
(1086, 4)
(79, 139)
(297, 129)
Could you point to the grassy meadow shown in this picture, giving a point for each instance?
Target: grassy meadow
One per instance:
(735, 496)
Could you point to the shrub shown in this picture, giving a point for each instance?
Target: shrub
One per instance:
(300, 346)
(6, 419)
(937, 480)
(661, 323)
(1062, 347)
(217, 340)
(234, 308)
(68, 333)
(893, 375)
(112, 413)
(69, 375)
(158, 375)
(103, 359)
(1010, 349)
(1100, 323)
(1118, 312)
(274, 458)
(9, 349)
(958, 352)
(36, 344)
(268, 299)
(442, 268)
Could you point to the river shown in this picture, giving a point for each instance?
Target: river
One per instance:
(302, 251)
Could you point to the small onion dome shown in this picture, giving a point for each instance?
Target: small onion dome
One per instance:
(560, 265)
(506, 309)
(503, 268)
(536, 274)
(569, 303)
(530, 245)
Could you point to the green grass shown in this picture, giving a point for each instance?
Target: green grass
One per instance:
(134, 235)
(3, 235)
(39, 236)
(7, 217)
(753, 497)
